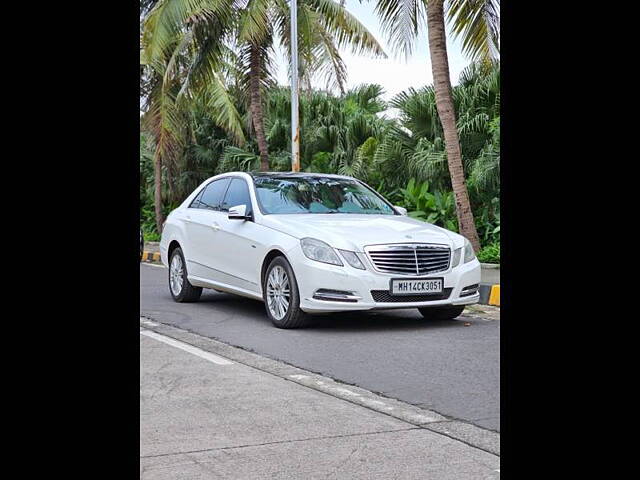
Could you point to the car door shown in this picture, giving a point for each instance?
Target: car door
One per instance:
(202, 221)
(240, 245)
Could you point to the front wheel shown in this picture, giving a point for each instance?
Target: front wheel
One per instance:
(441, 313)
(179, 286)
(281, 296)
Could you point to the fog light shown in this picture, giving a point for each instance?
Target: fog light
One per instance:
(335, 295)
(469, 290)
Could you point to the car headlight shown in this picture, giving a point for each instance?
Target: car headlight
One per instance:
(352, 259)
(319, 251)
(456, 257)
(469, 254)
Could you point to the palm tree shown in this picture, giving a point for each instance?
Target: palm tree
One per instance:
(325, 26)
(414, 146)
(477, 22)
(247, 30)
(446, 112)
(338, 133)
(173, 72)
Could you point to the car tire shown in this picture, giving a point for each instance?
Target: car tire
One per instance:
(441, 313)
(181, 290)
(274, 291)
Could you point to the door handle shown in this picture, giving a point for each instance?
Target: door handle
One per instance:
(215, 227)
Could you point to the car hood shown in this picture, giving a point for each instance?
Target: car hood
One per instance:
(354, 232)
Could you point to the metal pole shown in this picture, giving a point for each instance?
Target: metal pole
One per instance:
(295, 127)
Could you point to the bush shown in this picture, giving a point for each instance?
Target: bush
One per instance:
(489, 253)
(437, 208)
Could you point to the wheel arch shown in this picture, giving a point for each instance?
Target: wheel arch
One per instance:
(271, 254)
(172, 246)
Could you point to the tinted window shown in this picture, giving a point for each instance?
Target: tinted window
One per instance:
(213, 194)
(238, 194)
(318, 195)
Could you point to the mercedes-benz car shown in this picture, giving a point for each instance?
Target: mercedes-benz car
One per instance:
(308, 243)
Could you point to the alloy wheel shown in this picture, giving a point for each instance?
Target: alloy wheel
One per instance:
(176, 275)
(278, 292)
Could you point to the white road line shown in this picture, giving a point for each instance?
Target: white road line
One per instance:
(187, 348)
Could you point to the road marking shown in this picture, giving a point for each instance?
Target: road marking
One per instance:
(187, 348)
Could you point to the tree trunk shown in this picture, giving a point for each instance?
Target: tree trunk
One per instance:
(446, 112)
(172, 190)
(257, 115)
(157, 200)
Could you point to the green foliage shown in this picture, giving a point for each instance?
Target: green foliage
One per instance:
(487, 218)
(489, 253)
(148, 221)
(403, 158)
(437, 208)
(320, 163)
(476, 23)
(236, 159)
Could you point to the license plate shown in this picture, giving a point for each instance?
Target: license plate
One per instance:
(415, 286)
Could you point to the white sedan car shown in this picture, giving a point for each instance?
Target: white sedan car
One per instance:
(312, 243)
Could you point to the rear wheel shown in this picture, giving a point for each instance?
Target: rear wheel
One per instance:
(281, 297)
(179, 286)
(441, 313)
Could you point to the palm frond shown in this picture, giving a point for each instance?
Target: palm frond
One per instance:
(254, 23)
(400, 20)
(477, 22)
(168, 18)
(165, 123)
(237, 159)
(346, 29)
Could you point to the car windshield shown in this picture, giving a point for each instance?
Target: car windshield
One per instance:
(318, 195)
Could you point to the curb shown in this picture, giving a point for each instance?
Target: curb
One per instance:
(489, 294)
(490, 266)
(150, 256)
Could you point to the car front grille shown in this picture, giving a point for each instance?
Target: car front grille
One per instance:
(383, 296)
(410, 259)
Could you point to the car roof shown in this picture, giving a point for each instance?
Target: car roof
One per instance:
(297, 175)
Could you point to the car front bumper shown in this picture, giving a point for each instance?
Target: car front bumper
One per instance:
(312, 276)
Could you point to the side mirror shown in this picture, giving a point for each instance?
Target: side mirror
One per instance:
(239, 212)
(400, 210)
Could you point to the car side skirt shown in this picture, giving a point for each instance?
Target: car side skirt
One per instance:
(202, 282)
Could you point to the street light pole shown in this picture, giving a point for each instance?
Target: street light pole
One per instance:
(295, 127)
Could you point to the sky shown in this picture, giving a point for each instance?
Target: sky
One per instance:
(394, 73)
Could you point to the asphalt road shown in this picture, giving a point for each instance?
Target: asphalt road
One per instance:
(444, 366)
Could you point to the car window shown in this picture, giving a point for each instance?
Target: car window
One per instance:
(212, 195)
(238, 194)
(196, 201)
